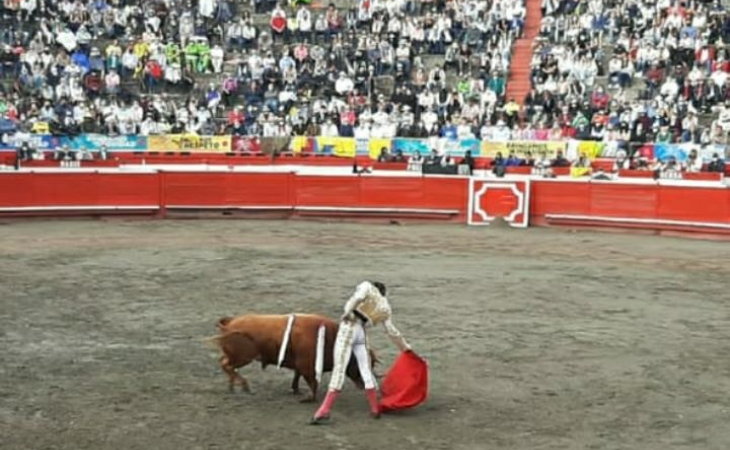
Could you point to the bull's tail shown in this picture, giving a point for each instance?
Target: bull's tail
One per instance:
(213, 341)
(319, 358)
(285, 341)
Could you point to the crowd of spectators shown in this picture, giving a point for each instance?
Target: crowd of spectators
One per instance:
(189, 66)
(664, 62)
(171, 66)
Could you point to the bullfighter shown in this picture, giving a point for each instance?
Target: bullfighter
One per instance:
(367, 307)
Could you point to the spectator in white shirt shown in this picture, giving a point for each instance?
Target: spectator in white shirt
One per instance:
(344, 85)
(329, 129)
(501, 133)
(693, 163)
(111, 82)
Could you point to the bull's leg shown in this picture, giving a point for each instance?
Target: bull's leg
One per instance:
(312, 383)
(239, 351)
(295, 383)
(233, 376)
(230, 371)
(244, 384)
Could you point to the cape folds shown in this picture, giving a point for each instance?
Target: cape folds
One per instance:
(406, 383)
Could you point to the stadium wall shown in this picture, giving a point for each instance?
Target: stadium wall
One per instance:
(664, 205)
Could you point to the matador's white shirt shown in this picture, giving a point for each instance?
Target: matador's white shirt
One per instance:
(367, 301)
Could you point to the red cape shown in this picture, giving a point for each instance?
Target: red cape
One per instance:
(406, 384)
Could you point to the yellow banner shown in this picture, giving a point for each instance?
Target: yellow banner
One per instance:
(490, 149)
(592, 149)
(342, 147)
(298, 143)
(375, 146)
(577, 172)
(189, 143)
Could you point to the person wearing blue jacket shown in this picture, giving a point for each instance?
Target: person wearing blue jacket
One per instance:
(81, 59)
(513, 160)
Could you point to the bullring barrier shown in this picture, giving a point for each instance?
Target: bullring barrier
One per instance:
(658, 205)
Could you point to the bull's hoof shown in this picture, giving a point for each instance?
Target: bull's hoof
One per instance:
(307, 400)
(319, 420)
(231, 389)
(296, 392)
(245, 389)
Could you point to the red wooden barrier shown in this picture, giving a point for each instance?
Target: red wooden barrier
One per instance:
(693, 204)
(50, 163)
(381, 195)
(559, 197)
(326, 191)
(675, 206)
(625, 173)
(622, 200)
(90, 191)
(519, 170)
(702, 176)
(649, 206)
(385, 166)
(221, 190)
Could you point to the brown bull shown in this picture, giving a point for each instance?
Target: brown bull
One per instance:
(251, 337)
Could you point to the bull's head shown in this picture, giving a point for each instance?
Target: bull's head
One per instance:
(353, 372)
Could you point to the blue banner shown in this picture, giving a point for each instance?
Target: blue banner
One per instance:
(459, 148)
(706, 152)
(411, 146)
(94, 142)
(663, 152)
(14, 141)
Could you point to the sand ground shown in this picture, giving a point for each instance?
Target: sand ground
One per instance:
(536, 339)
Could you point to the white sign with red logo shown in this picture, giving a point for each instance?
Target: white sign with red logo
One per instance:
(278, 23)
(490, 199)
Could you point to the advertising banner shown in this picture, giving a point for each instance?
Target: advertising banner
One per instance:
(247, 144)
(375, 146)
(706, 151)
(410, 146)
(302, 144)
(337, 146)
(577, 172)
(665, 151)
(189, 143)
(325, 145)
(592, 149)
(460, 147)
(681, 151)
(94, 142)
(611, 148)
(490, 149)
(349, 147)
(86, 142)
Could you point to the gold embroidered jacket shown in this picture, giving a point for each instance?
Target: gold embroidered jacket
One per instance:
(367, 301)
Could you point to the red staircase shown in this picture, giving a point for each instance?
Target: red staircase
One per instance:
(518, 85)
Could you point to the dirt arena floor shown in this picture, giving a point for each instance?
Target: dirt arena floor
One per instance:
(537, 339)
